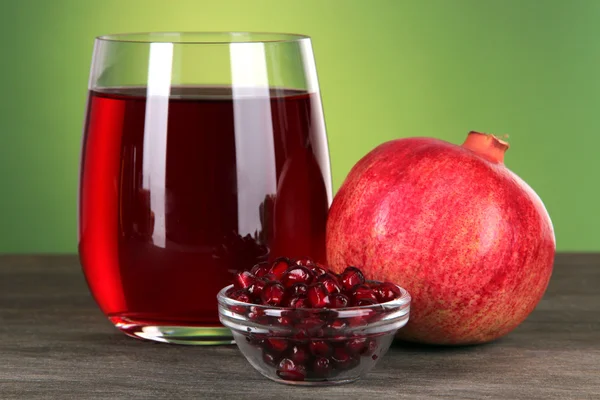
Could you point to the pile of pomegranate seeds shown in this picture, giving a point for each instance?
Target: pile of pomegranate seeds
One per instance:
(306, 284)
(318, 346)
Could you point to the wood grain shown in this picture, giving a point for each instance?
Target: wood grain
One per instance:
(56, 344)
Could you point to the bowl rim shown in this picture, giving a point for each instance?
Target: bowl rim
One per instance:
(403, 301)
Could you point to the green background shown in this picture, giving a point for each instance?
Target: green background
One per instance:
(387, 69)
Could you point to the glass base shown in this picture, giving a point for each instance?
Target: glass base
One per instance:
(314, 383)
(190, 335)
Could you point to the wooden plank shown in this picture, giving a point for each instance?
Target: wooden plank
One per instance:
(55, 343)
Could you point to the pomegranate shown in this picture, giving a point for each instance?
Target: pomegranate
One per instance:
(469, 239)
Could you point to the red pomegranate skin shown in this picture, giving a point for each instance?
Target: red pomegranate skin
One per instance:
(469, 239)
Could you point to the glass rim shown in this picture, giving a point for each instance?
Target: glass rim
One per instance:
(195, 37)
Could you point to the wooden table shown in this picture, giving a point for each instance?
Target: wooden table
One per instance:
(55, 343)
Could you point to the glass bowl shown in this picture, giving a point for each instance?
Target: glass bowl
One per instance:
(307, 346)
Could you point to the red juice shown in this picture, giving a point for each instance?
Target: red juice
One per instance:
(179, 192)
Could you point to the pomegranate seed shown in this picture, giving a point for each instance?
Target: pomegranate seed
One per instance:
(255, 340)
(298, 289)
(306, 262)
(356, 345)
(243, 279)
(386, 291)
(351, 277)
(310, 324)
(362, 292)
(302, 303)
(330, 282)
(369, 348)
(290, 371)
(270, 359)
(272, 294)
(277, 345)
(239, 295)
(296, 302)
(279, 267)
(337, 325)
(270, 277)
(338, 340)
(256, 314)
(318, 296)
(301, 335)
(257, 287)
(260, 270)
(343, 360)
(285, 321)
(297, 274)
(322, 367)
(318, 271)
(298, 354)
(320, 348)
(375, 314)
(357, 322)
(286, 364)
(365, 302)
(339, 300)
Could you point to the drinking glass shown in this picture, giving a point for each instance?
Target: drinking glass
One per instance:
(203, 154)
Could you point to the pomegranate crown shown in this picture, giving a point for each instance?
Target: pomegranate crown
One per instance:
(487, 145)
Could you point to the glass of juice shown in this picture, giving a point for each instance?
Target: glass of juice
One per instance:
(203, 154)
